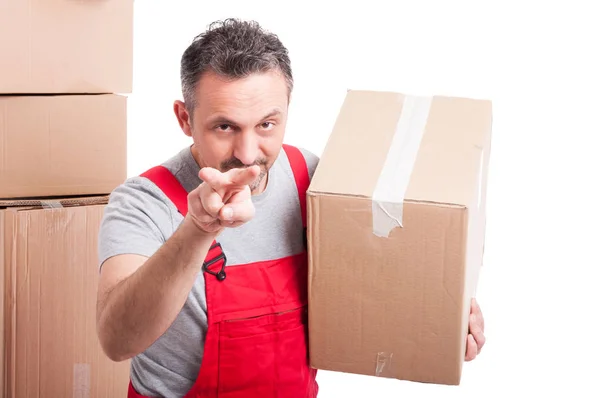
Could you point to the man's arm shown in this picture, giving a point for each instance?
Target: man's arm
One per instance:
(139, 297)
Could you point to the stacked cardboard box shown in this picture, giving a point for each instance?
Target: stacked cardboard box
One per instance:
(66, 70)
(396, 235)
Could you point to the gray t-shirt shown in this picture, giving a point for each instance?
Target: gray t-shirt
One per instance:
(139, 218)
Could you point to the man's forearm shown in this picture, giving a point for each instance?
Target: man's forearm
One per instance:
(140, 308)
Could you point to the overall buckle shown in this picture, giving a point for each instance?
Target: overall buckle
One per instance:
(220, 275)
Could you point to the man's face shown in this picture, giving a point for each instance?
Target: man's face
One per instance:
(238, 123)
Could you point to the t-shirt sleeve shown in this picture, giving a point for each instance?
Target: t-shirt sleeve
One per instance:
(136, 220)
(312, 161)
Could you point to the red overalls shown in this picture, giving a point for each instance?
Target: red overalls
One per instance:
(256, 344)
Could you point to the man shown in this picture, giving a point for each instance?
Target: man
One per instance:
(203, 259)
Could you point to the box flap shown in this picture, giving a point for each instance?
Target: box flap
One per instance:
(404, 147)
(449, 164)
(358, 145)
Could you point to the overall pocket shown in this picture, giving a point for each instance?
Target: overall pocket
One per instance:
(264, 356)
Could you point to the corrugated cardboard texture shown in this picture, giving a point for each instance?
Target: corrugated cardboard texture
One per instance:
(62, 145)
(65, 46)
(51, 275)
(55, 202)
(397, 306)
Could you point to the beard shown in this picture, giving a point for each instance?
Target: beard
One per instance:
(235, 163)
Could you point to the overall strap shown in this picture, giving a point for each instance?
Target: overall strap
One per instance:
(300, 171)
(172, 188)
(166, 181)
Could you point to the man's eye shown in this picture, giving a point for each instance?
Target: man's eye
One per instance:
(267, 125)
(223, 127)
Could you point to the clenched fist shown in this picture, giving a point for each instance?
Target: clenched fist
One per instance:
(223, 199)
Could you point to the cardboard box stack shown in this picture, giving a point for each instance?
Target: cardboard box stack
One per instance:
(396, 235)
(66, 70)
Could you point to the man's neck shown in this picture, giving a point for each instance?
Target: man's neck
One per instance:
(262, 186)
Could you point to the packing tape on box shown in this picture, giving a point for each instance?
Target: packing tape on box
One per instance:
(81, 380)
(388, 196)
(383, 364)
(51, 204)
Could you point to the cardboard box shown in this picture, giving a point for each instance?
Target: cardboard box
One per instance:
(66, 46)
(49, 265)
(62, 145)
(396, 227)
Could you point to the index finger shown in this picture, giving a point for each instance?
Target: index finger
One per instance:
(218, 181)
(243, 176)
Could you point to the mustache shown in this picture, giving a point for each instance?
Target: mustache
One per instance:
(235, 163)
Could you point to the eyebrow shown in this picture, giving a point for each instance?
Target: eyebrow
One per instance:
(221, 120)
(274, 112)
(224, 120)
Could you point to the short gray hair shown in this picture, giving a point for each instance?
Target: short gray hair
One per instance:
(234, 49)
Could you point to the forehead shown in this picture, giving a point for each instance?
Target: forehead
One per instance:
(244, 98)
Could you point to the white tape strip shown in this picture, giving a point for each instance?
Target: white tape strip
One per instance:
(50, 204)
(81, 380)
(388, 197)
(384, 364)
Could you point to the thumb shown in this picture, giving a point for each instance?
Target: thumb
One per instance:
(237, 212)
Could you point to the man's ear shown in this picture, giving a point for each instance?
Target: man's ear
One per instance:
(183, 117)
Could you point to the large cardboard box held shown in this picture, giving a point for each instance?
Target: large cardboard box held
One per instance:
(48, 263)
(62, 145)
(396, 233)
(66, 46)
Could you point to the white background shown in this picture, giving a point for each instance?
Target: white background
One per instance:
(539, 288)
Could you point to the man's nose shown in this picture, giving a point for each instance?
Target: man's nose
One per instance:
(246, 147)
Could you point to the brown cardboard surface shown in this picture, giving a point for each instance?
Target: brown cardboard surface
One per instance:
(397, 306)
(62, 145)
(447, 165)
(65, 46)
(49, 263)
(2, 312)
